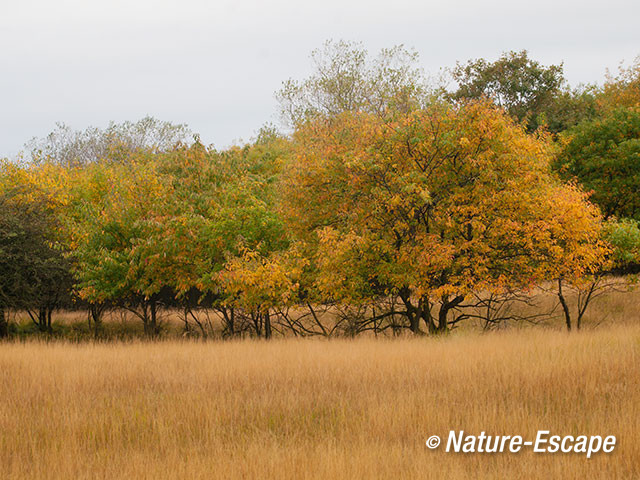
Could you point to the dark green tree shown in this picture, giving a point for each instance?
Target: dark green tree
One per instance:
(526, 89)
(34, 271)
(604, 156)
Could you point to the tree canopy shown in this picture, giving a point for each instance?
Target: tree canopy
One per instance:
(390, 203)
(66, 146)
(346, 79)
(604, 156)
(35, 274)
(433, 206)
(522, 86)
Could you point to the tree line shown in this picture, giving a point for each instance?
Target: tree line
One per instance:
(390, 202)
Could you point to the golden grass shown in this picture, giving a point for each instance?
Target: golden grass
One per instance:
(317, 409)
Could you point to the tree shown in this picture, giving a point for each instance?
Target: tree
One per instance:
(249, 234)
(68, 147)
(569, 107)
(159, 227)
(622, 90)
(258, 284)
(624, 237)
(623, 256)
(432, 206)
(347, 80)
(35, 274)
(113, 215)
(604, 156)
(526, 89)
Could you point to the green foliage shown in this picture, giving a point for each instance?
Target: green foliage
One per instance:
(522, 86)
(172, 220)
(568, 108)
(604, 156)
(35, 274)
(624, 236)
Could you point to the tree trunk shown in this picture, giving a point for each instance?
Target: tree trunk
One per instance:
(445, 307)
(428, 318)
(414, 314)
(267, 325)
(565, 306)
(414, 322)
(95, 312)
(153, 320)
(185, 319)
(442, 318)
(229, 320)
(4, 327)
(256, 318)
(149, 317)
(42, 319)
(145, 317)
(586, 299)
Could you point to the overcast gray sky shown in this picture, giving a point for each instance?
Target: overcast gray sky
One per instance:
(216, 64)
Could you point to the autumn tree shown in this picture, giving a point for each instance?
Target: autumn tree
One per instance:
(114, 214)
(252, 276)
(234, 195)
(432, 206)
(158, 228)
(623, 257)
(33, 202)
(261, 285)
(623, 89)
(602, 153)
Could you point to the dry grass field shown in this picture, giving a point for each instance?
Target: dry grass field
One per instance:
(300, 409)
